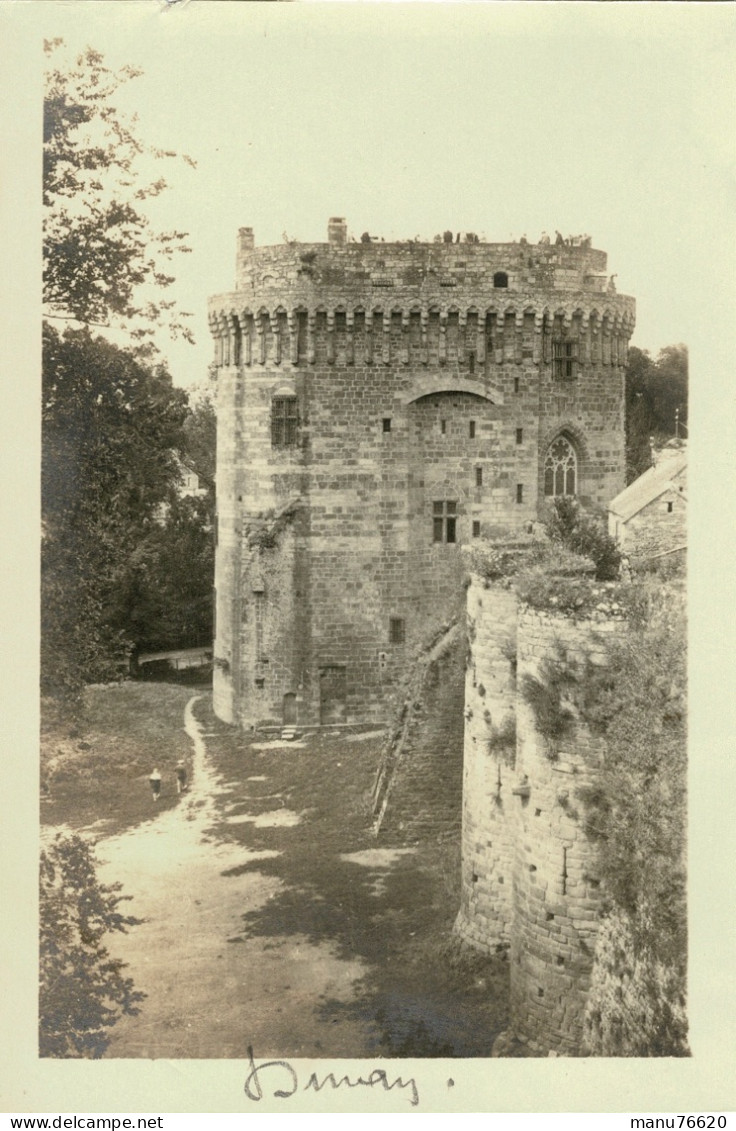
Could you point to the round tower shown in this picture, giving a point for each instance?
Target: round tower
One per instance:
(378, 405)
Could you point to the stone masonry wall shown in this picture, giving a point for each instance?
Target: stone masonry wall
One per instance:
(426, 395)
(486, 910)
(419, 785)
(661, 526)
(557, 893)
(529, 872)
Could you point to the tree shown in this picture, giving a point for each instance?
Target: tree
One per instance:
(111, 420)
(656, 403)
(83, 991)
(99, 248)
(200, 437)
(165, 598)
(111, 426)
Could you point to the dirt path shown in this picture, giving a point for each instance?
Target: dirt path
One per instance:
(212, 991)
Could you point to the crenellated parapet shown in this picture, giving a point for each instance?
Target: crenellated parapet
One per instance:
(413, 303)
(528, 330)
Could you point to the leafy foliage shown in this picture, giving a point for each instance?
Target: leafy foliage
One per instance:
(110, 425)
(502, 740)
(655, 390)
(200, 437)
(548, 697)
(637, 703)
(99, 247)
(165, 599)
(637, 813)
(569, 526)
(83, 991)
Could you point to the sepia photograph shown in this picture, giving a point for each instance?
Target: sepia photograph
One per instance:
(366, 556)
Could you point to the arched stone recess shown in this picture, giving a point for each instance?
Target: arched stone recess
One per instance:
(428, 386)
(575, 437)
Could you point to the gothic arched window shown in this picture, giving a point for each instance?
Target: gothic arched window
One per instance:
(560, 468)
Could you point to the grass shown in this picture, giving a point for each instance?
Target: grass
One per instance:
(97, 768)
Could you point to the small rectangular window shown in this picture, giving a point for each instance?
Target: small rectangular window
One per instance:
(283, 422)
(471, 429)
(519, 435)
(260, 681)
(564, 357)
(471, 362)
(444, 521)
(479, 476)
(669, 508)
(397, 630)
(476, 529)
(387, 423)
(520, 492)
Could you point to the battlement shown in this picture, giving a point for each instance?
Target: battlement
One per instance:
(467, 262)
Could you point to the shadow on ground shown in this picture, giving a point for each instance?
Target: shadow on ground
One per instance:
(389, 903)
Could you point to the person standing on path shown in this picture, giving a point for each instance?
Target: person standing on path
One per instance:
(181, 776)
(155, 780)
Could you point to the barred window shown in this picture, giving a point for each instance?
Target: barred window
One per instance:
(283, 422)
(560, 468)
(444, 521)
(564, 358)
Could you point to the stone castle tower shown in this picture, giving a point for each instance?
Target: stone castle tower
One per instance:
(378, 405)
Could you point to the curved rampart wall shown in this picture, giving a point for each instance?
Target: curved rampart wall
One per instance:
(529, 877)
(486, 912)
(557, 892)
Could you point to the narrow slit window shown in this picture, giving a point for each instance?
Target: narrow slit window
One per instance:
(519, 435)
(479, 476)
(516, 384)
(476, 529)
(471, 429)
(520, 492)
(443, 427)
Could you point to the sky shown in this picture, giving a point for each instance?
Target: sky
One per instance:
(407, 119)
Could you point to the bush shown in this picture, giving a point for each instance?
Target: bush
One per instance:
(570, 527)
(83, 992)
